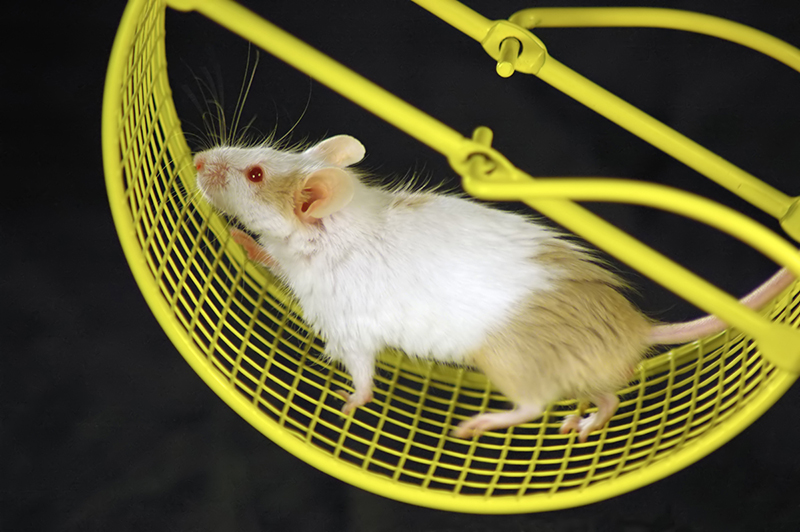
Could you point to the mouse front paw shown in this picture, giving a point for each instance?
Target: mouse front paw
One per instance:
(354, 400)
(254, 252)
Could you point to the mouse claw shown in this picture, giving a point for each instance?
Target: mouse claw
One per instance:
(353, 401)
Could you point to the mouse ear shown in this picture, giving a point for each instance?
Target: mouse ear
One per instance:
(341, 151)
(323, 193)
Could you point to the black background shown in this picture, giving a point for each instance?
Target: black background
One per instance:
(103, 426)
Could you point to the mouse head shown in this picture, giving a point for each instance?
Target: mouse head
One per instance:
(276, 192)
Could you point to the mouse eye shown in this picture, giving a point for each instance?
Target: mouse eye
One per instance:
(255, 174)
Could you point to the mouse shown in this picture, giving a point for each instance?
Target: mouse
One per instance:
(441, 277)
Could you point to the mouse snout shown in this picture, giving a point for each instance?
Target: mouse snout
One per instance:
(200, 161)
(210, 173)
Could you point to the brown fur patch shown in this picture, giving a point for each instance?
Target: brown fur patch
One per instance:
(281, 193)
(577, 340)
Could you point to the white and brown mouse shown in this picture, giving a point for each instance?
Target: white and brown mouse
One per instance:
(442, 278)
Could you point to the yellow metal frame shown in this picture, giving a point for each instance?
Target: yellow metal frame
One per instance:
(245, 336)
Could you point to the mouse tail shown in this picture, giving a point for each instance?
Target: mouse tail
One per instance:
(678, 333)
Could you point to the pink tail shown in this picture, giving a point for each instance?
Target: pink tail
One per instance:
(678, 333)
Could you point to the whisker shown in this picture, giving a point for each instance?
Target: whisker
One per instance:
(218, 128)
(302, 115)
(208, 106)
(217, 92)
(244, 92)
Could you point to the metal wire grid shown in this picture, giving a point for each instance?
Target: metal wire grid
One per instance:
(248, 329)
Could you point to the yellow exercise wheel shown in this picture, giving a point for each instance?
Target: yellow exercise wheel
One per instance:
(245, 336)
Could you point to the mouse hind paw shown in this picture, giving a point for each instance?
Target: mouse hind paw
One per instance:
(477, 425)
(606, 407)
